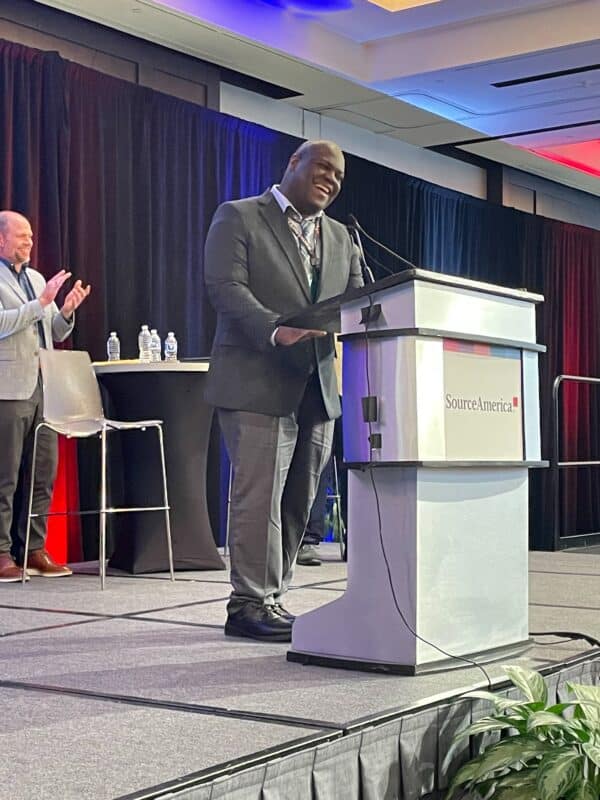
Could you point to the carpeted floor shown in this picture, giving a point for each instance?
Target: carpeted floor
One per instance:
(106, 693)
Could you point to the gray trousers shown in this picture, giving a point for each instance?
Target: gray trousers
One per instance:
(277, 463)
(18, 419)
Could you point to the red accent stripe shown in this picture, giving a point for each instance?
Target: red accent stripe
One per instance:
(64, 533)
(452, 344)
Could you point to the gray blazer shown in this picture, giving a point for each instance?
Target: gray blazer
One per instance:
(254, 274)
(19, 341)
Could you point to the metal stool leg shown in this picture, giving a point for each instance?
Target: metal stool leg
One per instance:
(30, 504)
(337, 510)
(166, 500)
(102, 521)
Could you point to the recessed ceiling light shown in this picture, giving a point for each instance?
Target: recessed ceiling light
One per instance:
(401, 5)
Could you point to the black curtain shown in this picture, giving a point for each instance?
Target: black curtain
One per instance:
(562, 262)
(120, 183)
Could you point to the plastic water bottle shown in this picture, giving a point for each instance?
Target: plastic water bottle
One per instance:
(144, 345)
(171, 347)
(155, 345)
(113, 347)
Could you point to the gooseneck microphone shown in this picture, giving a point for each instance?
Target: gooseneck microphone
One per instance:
(354, 224)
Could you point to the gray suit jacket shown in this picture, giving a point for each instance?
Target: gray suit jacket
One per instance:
(254, 274)
(19, 341)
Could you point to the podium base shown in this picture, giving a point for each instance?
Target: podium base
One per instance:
(458, 662)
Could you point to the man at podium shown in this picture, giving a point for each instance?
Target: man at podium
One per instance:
(274, 385)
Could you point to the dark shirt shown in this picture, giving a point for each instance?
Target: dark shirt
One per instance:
(25, 284)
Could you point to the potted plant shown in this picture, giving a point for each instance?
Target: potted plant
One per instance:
(546, 752)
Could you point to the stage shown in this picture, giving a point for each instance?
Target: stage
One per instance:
(134, 692)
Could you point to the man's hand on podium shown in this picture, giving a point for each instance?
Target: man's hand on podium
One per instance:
(286, 336)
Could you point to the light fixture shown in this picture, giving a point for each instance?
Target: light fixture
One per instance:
(401, 5)
(311, 6)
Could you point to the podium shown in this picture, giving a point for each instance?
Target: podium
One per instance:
(441, 425)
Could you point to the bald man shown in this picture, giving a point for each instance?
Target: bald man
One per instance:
(275, 387)
(29, 320)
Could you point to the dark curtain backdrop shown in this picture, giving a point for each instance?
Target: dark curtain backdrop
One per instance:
(120, 183)
(563, 262)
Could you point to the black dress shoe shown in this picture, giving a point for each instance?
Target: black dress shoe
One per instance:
(307, 556)
(259, 622)
(279, 609)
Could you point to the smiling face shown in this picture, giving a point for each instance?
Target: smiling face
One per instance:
(314, 176)
(16, 238)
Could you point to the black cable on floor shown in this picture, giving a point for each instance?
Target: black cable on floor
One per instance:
(568, 636)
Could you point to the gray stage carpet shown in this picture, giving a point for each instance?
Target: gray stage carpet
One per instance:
(108, 694)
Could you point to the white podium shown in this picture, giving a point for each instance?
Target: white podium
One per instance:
(438, 484)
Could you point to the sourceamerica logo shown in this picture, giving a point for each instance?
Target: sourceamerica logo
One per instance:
(481, 404)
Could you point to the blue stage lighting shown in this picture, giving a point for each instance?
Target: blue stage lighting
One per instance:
(311, 6)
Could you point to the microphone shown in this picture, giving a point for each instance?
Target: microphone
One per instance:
(353, 223)
(355, 236)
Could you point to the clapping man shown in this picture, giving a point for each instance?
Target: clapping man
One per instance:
(29, 320)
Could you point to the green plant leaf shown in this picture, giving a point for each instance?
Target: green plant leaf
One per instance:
(483, 790)
(465, 774)
(519, 724)
(537, 706)
(583, 791)
(529, 682)
(482, 695)
(544, 755)
(509, 753)
(518, 777)
(592, 751)
(584, 691)
(557, 773)
(524, 792)
(544, 718)
(580, 730)
(484, 725)
(517, 785)
(590, 695)
(501, 703)
(560, 707)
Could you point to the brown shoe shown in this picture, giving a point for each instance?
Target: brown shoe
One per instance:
(40, 563)
(9, 572)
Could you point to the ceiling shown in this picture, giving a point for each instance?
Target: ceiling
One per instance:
(515, 81)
